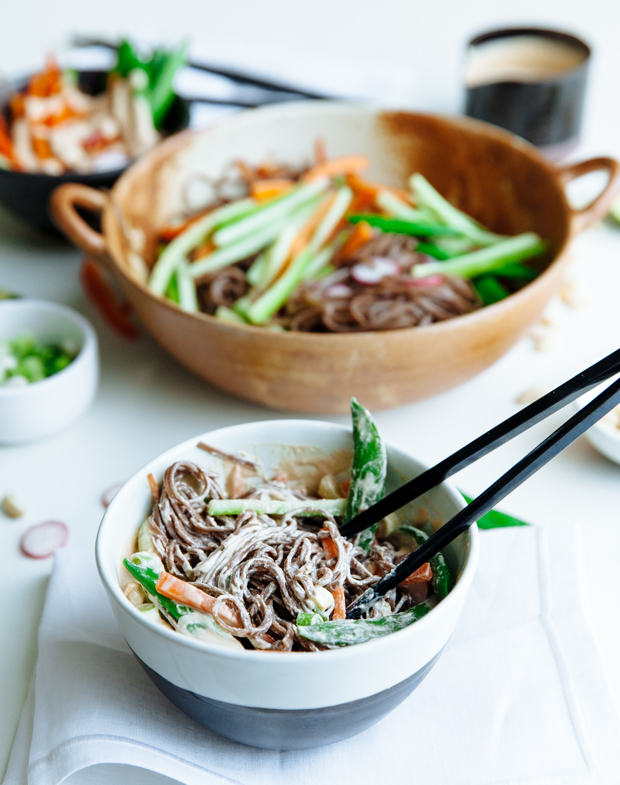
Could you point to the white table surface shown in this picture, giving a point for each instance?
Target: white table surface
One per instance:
(146, 403)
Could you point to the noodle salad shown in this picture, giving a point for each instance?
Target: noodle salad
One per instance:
(322, 249)
(264, 565)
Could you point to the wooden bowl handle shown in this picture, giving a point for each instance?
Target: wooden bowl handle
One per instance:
(63, 202)
(598, 207)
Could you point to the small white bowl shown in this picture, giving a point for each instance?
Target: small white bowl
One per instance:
(603, 435)
(40, 409)
(269, 699)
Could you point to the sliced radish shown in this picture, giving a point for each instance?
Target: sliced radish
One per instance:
(338, 290)
(40, 541)
(430, 280)
(372, 272)
(110, 493)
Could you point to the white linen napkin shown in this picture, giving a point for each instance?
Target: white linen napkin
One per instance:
(518, 697)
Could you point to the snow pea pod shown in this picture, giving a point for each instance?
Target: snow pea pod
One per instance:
(401, 226)
(346, 632)
(368, 469)
(443, 581)
(145, 568)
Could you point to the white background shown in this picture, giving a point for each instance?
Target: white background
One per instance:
(147, 403)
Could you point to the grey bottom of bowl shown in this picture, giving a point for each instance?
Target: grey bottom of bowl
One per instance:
(288, 729)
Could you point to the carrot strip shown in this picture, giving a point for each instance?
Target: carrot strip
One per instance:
(203, 250)
(46, 82)
(267, 189)
(367, 191)
(345, 487)
(307, 230)
(340, 609)
(346, 164)
(329, 547)
(186, 594)
(6, 143)
(17, 105)
(41, 147)
(154, 487)
(320, 154)
(421, 575)
(361, 235)
(168, 233)
(99, 291)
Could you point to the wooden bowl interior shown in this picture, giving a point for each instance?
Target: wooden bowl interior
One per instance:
(502, 182)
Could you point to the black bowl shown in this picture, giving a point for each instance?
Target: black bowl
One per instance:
(26, 194)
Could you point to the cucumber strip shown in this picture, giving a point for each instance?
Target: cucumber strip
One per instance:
(188, 299)
(228, 315)
(257, 270)
(318, 263)
(235, 252)
(176, 251)
(425, 195)
(307, 507)
(485, 260)
(335, 214)
(277, 255)
(390, 203)
(273, 211)
(278, 293)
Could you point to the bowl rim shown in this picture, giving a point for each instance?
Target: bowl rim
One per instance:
(112, 585)
(167, 148)
(89, 343)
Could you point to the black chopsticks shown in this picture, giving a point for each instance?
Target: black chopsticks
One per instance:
(237, 75)
(533, 461)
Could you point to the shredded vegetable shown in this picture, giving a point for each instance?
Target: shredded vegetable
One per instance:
(321, 249)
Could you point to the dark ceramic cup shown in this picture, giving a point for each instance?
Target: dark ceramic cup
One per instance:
(531, 82)
(26, 194)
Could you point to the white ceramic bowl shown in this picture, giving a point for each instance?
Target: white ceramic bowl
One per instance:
(603, 435)
(270, 699)
(40, 409)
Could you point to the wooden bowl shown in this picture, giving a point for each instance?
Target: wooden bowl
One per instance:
(498, 178)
